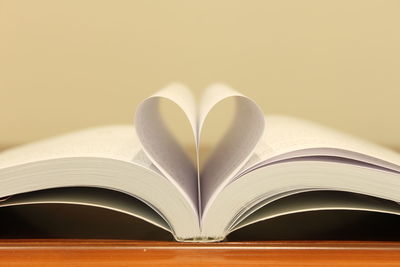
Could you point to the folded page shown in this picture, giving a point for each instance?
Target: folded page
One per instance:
(237, 145)
(159, 144)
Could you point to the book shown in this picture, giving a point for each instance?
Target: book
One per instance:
(264, 167)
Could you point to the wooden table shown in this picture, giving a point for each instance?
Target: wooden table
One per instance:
(141, 253)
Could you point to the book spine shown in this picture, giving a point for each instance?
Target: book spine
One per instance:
(199, 239)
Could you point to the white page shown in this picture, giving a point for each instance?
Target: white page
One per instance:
(102, 198)
(288, 137)
(114, 142)
(159, 144)
(319, 201)
(229, 156)
(237, 145)
(266, 183)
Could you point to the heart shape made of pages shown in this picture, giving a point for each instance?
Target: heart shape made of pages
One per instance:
(227, 158)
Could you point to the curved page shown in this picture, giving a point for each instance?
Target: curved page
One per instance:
(159, 144)
(106, 157)
(319, 200)
(289, 137)
(95, 197)
(228, 157)
(237, 145)
(279, 179)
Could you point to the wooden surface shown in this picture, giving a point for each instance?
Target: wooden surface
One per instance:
(141, 253)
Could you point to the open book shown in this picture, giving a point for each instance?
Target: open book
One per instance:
(263, 168)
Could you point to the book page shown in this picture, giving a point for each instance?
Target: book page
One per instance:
(114, 142)
(288, 137)
(96, 197)
(319, 200)
(159, 144)
(236, 146)
(228, 157)
(265, 184)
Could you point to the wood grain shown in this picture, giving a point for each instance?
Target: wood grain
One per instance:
(141, 253)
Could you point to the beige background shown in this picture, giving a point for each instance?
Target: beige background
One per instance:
(66, 65)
